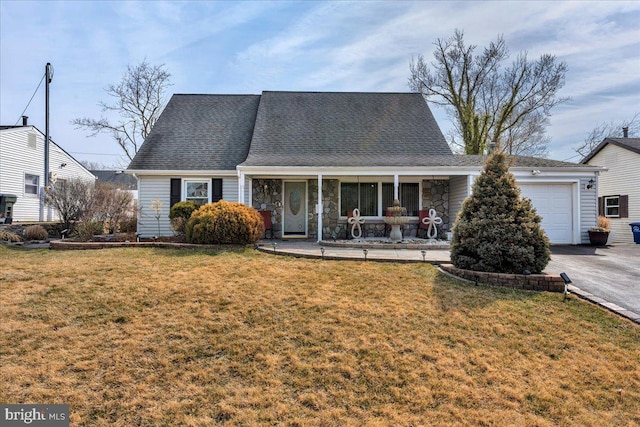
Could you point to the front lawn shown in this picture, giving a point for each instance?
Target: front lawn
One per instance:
(168, 337)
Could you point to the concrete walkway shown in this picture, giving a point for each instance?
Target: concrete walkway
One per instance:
(588, 283)
(312, 249)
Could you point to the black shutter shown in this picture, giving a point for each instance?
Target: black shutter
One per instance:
(600, 206)
(624, 206)
(175, 196)
(216, 190)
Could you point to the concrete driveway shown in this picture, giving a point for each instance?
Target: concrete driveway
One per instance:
(609, 273)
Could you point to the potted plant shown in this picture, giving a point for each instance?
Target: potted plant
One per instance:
(599, 235)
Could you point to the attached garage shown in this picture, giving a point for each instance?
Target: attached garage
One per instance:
(555, 203)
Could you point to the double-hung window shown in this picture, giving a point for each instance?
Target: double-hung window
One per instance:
(197, 192)
(612, 206)
(31, 184)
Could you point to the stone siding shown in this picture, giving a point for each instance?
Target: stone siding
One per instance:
(270, 200)
(435, 195)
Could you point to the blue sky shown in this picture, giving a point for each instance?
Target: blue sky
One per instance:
(247, 47)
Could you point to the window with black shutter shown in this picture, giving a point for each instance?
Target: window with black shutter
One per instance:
(175, 195)
(216, 190)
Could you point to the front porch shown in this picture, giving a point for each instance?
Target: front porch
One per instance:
(298, 209)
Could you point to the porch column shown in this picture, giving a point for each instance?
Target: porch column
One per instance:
(396, 184)
(319, 207)
(241, 187)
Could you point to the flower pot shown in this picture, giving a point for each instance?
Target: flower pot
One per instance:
(598, 238)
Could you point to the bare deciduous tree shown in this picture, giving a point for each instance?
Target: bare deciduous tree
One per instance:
(71, 199)
(139, 100)
(110, 205)
(486, 100)
(608, 130)
(80, 200)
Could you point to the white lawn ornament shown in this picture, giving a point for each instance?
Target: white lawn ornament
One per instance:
(431, 222)
(356, 220)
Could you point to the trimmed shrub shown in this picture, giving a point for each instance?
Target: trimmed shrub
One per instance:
(9, 236)
(497, 230)
(35, 232)
(225, 222)
(180, 214)
(87, 229)
(129, 225)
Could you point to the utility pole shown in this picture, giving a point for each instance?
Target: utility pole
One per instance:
(47, 77)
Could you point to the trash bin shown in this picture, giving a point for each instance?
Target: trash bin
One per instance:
(635, 227)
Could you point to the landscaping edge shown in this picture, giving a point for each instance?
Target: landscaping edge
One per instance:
(71, 245)
(531, 282)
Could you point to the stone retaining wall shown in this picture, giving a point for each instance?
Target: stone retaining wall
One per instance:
(532, 282)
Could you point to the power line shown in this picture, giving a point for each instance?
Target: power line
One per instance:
(95, 154)
(29, 103)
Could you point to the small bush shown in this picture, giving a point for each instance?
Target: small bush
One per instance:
(225, 222)
(35, 232)
(129, 225)
(87, 229)
(9, 236)
(180, 214)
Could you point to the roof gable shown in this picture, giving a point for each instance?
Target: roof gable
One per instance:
(631, 144)
(345, 129)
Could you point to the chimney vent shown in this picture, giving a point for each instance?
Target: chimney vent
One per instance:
(25, 120)
(625, 132)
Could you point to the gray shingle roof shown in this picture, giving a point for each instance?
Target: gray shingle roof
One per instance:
(116, 178)
(200, 132)
(345, 129)
(632, 144)
(518, 161)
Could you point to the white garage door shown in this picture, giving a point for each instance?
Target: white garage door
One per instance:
(553, 202)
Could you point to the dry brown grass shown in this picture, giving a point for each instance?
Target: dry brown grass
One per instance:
(162, 337)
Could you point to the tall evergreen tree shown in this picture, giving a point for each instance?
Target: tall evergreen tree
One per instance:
(497, 230)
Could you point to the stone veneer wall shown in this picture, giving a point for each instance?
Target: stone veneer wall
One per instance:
(270, 200)
(435, 195)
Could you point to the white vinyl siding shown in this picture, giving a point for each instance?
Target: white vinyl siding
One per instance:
(152, 188)
(230, 189)
(457, 193)
(588, 209)
(19, 156)
(622, 178)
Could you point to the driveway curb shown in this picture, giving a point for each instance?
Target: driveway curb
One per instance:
(621, 311)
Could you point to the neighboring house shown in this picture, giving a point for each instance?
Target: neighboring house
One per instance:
(312, 157)
(619, 188)
(22, 171)
(118, 179)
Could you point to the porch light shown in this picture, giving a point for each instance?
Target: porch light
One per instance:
(590, 184)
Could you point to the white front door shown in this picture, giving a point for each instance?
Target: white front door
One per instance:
(295, 208)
